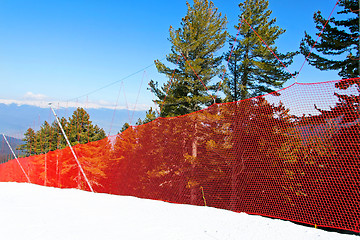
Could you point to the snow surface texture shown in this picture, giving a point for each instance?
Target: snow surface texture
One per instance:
(34, 212)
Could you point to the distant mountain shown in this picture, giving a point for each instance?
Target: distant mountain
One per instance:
(15, 120)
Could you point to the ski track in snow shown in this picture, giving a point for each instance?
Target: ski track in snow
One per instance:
(35, 212)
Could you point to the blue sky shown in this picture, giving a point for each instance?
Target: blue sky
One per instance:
(62, 50)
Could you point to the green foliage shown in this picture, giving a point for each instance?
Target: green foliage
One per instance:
(79, 129)
(253, 69)
(124, 127)
(194, 45)
(151, 115)
(29, 145)
(338, 45)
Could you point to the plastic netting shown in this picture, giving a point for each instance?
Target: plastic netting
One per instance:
(293, 155)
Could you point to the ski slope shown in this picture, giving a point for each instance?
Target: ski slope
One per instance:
(34, 212)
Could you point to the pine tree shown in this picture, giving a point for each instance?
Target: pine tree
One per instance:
(28, 148)
(44, 138)
(339, 37)
(38, 142)
(338, 45)
(194, 45)
(253, 69)
(57, 137)
(124, 127)
(81, 130)
(150, 116)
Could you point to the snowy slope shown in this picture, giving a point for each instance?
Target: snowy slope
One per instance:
(35, 212)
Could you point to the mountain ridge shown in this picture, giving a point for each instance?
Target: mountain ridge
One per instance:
(16, 119)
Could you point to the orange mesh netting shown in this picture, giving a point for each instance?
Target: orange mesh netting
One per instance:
(293, 154)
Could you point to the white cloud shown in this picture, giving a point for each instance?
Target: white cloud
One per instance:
(43, 101)
(35, 97)
(37, 103)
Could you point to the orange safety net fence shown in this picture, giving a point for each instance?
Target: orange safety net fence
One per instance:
(293, 154)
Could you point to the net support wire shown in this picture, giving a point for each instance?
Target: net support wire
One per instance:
(27, 177)
(72, 150)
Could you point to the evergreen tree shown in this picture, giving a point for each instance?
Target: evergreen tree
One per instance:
(58, 139)
(81, 130)
(194, 45)
(124, 127)
(253, 69)
(150, 116)
(28, 148)
(44, 138)
(340, 37)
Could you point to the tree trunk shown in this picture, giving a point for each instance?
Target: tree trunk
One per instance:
(233, 187)
(237, 150)
(193, 195)
(232, 204)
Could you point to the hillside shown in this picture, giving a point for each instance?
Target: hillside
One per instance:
(5, 151)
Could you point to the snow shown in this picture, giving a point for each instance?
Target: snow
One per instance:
(35, 212)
